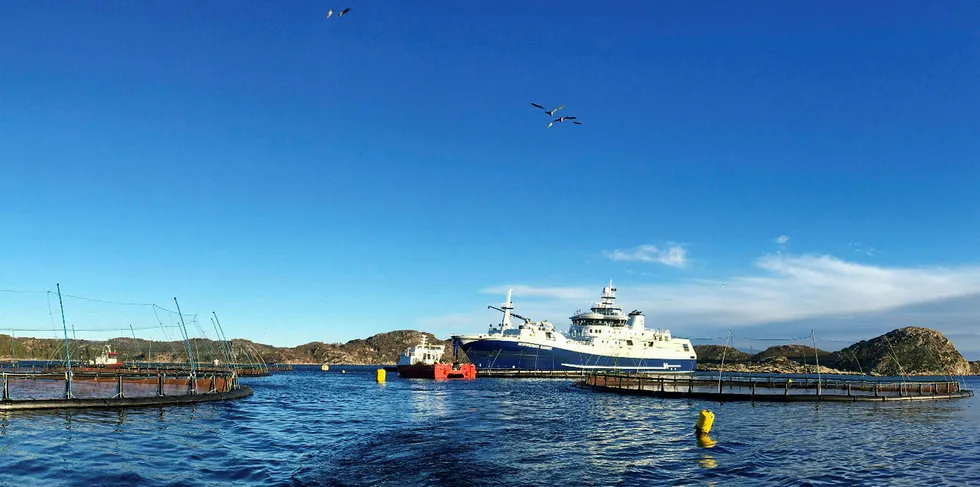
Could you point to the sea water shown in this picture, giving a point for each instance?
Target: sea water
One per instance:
(309, 427)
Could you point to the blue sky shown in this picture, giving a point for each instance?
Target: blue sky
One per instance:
(327, 179)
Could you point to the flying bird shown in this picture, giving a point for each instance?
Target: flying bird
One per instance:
(329, 13)
(560, 120)
(549, 112)
(342, 12)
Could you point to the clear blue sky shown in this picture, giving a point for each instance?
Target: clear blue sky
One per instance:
(326, 179)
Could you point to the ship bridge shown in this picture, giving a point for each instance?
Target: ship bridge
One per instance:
(603, 313)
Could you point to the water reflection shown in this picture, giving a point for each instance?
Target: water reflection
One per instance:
(707, 461)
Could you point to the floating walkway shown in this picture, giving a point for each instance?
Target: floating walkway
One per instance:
(773, 389)
(29, 391)
(530, 374)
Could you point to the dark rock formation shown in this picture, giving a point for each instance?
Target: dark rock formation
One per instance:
(796, 353)
(714, 354)
(905, 351)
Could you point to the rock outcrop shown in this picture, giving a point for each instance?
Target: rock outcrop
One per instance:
(906, 351)
(715, 353)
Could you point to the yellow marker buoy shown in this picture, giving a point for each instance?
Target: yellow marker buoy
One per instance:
(705, 420)
(324, 367)
(381, 376)
(343, 371)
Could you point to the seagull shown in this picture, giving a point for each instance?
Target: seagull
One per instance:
(329, 13)
(549, 112)
(342, 12)
(560, 120)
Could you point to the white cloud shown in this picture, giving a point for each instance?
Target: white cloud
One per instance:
(782, 239)
(812, 291)
(674, 256)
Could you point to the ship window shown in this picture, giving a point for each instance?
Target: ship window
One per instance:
(686, 349)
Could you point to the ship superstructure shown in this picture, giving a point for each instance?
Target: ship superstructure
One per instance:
(602, 338)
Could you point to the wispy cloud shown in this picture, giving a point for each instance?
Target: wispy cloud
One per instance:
(781, 288)
(862, 249)
(782, 239)
(674, 256)
(552, 293)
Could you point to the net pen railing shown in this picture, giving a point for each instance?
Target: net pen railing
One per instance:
(774, 385)
(49, 386)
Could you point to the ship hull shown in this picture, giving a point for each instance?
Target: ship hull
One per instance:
(510, 354)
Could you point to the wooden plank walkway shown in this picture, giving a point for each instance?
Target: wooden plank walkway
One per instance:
(774, 389)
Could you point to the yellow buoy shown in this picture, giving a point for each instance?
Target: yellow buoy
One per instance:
(343, 371)
(705, 420)
(381, 376)
(324, 367)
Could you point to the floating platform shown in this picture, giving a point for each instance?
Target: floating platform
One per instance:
(774, 389)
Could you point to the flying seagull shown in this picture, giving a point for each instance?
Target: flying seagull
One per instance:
(342, 12)
(329, 13)
(549, 112)
(560, 120)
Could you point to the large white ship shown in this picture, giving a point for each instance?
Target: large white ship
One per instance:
(602, 338)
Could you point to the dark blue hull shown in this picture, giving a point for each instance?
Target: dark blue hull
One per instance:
(505, 354)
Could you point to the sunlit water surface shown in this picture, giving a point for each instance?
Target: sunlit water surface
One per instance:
(309, 427)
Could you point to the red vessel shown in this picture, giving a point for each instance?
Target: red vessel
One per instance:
(421, 362)
(437, 371)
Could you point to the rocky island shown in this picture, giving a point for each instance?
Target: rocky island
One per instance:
(906, 351)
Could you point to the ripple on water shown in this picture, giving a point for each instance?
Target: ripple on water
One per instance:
(313, 428)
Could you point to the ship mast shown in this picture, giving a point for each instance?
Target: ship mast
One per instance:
(505, 323)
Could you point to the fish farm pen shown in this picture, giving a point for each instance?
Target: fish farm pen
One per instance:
(773, 389)
(29, 391)
(112, 354)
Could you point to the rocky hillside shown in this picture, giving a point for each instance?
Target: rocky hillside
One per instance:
(918, 351)
(382, 348)
(905, 351)
(796, 353)
(714, 353)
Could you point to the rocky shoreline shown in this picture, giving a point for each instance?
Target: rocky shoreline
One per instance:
(905, 351)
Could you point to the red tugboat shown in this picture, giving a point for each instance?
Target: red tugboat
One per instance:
(422, 362)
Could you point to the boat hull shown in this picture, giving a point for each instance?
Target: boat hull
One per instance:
(437, 371)
(509, 354)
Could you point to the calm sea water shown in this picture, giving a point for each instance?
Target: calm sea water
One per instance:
(308, 427)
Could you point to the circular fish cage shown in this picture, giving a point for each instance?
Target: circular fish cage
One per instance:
(115, 389)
